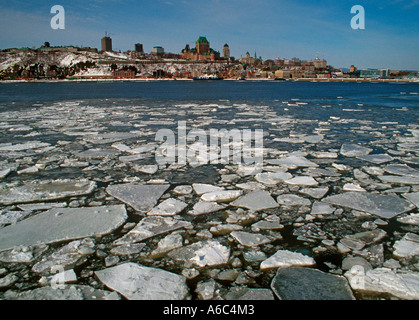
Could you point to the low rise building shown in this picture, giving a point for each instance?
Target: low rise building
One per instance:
(157, 51)
(282, 74)
(123, 74)
(374, 73)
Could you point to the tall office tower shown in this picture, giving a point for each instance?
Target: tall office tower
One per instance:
(106, 43)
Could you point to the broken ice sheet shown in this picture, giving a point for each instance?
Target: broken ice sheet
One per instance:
(412, 197)
(11, 217)
(402, 170)
(302, 181)
(68, 256)
(272, 178)
(141, 197)
(203, 207)
(248, 239)
(151, 226)
(384, 206)
(293, 161)
(61, 224)
(204, 253)
(24, 146)
(256, 201)
(354, 150)
(168, 207)
(45, 190)
(377, 158)
(400, 180)
(137, 282)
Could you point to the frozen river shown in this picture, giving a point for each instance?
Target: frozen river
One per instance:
(89, 188)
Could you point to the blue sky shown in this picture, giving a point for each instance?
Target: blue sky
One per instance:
(271, 28)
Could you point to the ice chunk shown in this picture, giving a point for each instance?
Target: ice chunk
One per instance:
(203, 207)
(141, 197)
(413, 198)
(222, 196)
(302, 181)
(23, 254)
(149, 169)
(4, 173)
(62, 224)
(310, 284)
(377, 158)
(400, 179)
(168, 207)
(293, 161)
(204, 253)
(70, 292)
(412, 218)
(384, 206)
(185, 189)
(201, 188)
(248, 239)
(96, 154)
(168, 243)
(407, 247)
(24, 146)
(286, 258)
(321, 208)
(325, 155)
(382, 280)
(292, 200)
(316, 193)
(354, 150)
(46, 190)
(402, 170)
(151, 226)
(68, 256)
(256, 201)
(272, 178)
(136, 282)
(353, 187)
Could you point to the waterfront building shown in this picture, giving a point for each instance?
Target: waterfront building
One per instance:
(282, 74)
(374, 73)
(123, 74)
(106, 43)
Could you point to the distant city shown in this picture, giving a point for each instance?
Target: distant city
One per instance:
(198, 61)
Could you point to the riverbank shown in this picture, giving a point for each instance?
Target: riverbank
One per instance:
(352, 80)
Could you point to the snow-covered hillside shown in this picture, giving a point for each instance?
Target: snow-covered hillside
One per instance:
(65, 63)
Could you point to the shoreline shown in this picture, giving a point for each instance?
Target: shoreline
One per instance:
(358, 80)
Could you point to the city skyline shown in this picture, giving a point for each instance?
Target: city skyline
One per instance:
(284, 29)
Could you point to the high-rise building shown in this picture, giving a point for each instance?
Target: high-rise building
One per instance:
(106, 43)
(226, 51)
(139, 48)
